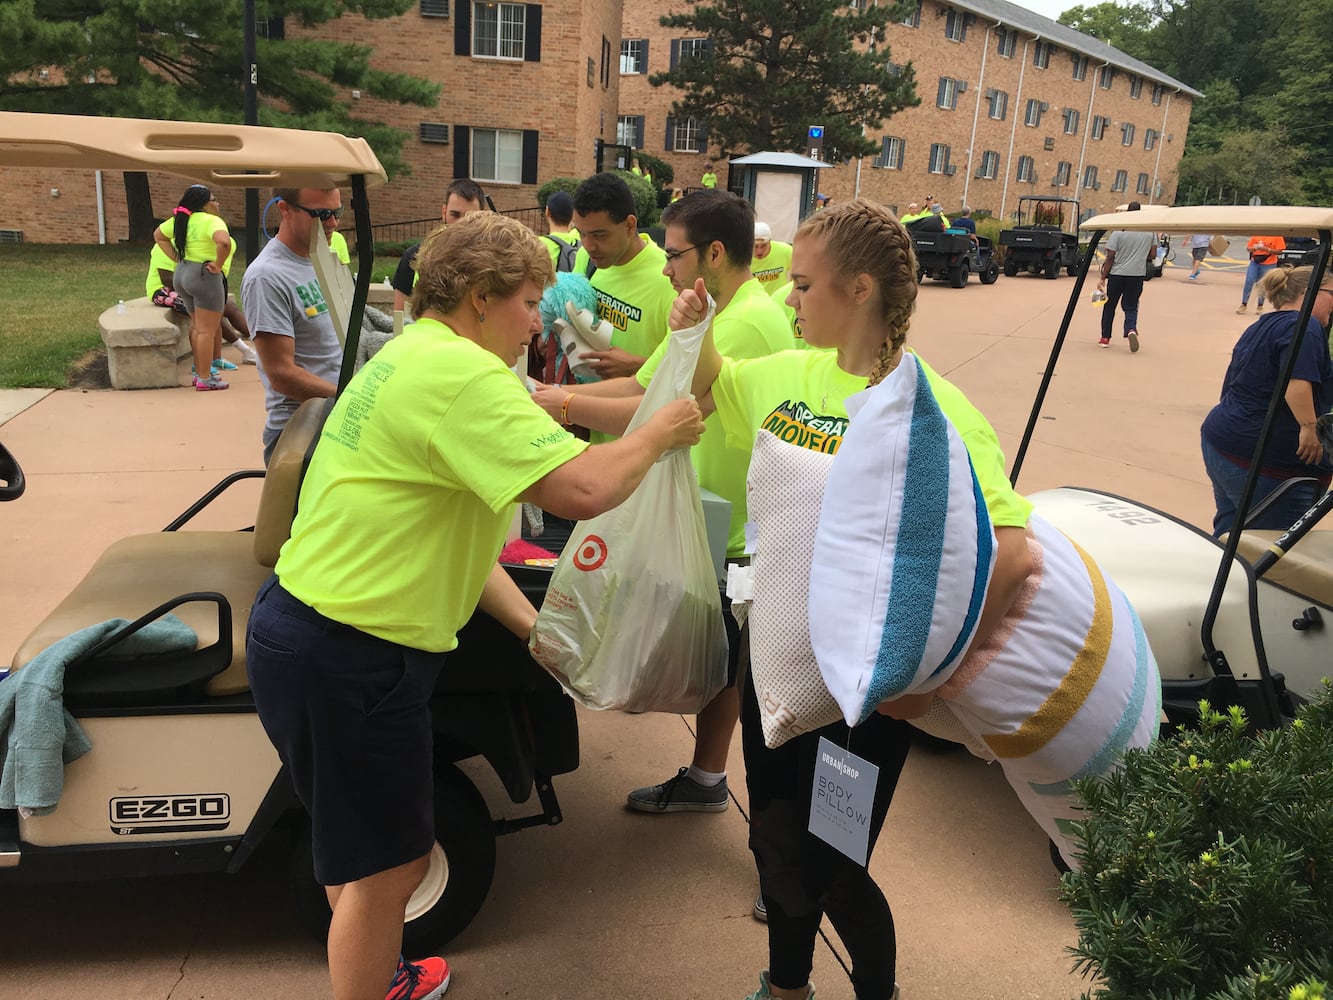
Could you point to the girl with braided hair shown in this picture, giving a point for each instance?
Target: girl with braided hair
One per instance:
(854, 289)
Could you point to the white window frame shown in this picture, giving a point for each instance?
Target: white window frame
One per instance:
(1099, 123)
(1089, 176)
(1157, 91)
(628, 47)
(1142, 186)
(1027, 170)
(624, 137)
(1150, 137)
(1031, 119)
(1127, 134)
(946, 95)
(1136, 86)
(1063, 171)
(1041, 55)
(1008, 43)
(507, 18)
(955, 25)
(1106, 77)
(990, 165)
(692, 48)
(999, 105)
(685, 135)
(913, 20)
(1080, 67)
(1121, 182)
(1071, 117)
(939, 158)
(891, 153)
(490, 173)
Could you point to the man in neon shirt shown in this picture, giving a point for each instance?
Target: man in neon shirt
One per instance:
(772, 258)
(460, 198)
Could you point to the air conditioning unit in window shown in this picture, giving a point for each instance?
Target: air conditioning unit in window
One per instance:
(433, 132)
(434, 8)
(962, 86)
(1044, 106)
(950, 170)
(1096, 185)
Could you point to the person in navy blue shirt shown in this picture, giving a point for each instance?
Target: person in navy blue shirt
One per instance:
(1231, 430)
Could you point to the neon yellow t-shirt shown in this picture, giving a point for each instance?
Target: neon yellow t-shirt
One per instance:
(772, 270)
(635, 298)
(708, 180)
(799, 396)
(338, 244)
(169, 231)
(157, 260)
(554, 247)
(412, 487)
(751, 326)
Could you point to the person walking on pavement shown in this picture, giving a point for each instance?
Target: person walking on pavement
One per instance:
(1198, 244)
(1123, 272)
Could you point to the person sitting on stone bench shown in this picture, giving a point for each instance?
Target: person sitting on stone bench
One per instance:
(161, 290)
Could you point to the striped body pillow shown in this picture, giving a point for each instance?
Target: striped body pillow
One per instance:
(904, 549)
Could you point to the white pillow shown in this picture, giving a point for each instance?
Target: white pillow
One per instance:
(904, 550)
(783, 490)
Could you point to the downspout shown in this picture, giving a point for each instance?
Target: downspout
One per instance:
(1087, 126)
(1161, 141)
(1013, 129)
(101, 211)
(976, 113)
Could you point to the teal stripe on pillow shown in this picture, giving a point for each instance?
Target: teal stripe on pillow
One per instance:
(981, 580)
(918, 548)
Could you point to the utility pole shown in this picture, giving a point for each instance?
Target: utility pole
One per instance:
(250, 85)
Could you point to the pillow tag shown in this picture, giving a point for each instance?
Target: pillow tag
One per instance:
(841, 800)
(751, 537)
(740, 583)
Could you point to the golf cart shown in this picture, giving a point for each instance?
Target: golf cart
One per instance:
(1301, 251)
(181, 777)
(1045, 237)
(952, 255)
(1238, 620)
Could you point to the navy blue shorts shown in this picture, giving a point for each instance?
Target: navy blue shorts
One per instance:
(350, 716)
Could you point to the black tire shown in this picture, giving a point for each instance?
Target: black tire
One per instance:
(1053, 268)
(456, 885)
(989, 275)
(1072, 269)
(1010, 267)
(958, 275)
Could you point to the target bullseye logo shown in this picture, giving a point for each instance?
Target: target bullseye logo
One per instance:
(591, 554)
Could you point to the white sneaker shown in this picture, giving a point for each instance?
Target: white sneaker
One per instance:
(248, 355)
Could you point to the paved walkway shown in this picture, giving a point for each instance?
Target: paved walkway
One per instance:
(614, 904)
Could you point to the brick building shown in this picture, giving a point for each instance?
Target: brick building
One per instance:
(1012, 103)
(527, 88)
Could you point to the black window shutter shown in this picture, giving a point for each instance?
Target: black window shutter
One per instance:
(644, 43)
(703, 138)
(675, 53)
(939, 94)
(638, 131)
(529, 156)
(670, 127)
(463, 30)
(462, 151)
(708, 47)
(532, 43)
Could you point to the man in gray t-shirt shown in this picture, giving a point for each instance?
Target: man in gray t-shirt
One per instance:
(299, 353)
(1123, 273)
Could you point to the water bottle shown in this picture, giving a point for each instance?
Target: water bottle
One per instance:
(1098, 297)
(120, 307)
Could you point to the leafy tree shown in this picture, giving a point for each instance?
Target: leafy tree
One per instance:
(1298, 52)
(182, 59)
(1245, 163)
(1126, 26)
(779, 66)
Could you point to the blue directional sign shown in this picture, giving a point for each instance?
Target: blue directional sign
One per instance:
(816, 131)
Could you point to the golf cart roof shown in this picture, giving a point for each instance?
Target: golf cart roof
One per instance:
(225, 155)
(1235, 220)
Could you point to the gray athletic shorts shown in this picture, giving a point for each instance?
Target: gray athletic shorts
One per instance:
(198, 288)
(1199, 253)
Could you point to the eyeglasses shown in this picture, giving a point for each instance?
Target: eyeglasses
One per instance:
(672, 255)
(322, 214)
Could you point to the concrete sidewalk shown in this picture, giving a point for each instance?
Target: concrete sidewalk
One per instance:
(612, 903)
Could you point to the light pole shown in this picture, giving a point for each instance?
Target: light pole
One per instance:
(249, 86)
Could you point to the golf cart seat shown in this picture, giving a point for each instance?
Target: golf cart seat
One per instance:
(223, 568)
(1306, 569)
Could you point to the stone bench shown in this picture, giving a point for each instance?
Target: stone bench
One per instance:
(144, 344)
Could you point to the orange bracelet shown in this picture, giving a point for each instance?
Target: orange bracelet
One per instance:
(564, 409)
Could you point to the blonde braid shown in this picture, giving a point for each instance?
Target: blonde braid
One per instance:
(862, 236)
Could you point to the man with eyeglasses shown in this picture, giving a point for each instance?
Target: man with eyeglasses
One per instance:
(299, 353)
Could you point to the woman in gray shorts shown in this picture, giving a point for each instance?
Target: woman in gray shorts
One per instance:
(196, 238)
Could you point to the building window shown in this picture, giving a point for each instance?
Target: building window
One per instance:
(1099, 124)
(1041, 55)
(939, 158)
(1127, 134)
(1071, 120)
(434, 8)
(990, 165)
(947, 94)
(1062, 171)
(1106, 77)
(1142, 186)
(1006, 42)
(497, 155)
(1157, 91)
(1121, 182)
(913, 20)
(633, 56)
(1032, 116)
(1080, 67)
(1135, 86)
(955, 26)
(1090, 178)
(1027, 170)
(695, 48)
(890, 153)
(1150, 137)
(684, 136)
(606, 63)
(998, 102)
(498, 30)
(629, 131)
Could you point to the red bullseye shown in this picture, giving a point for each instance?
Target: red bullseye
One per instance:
(591, 554)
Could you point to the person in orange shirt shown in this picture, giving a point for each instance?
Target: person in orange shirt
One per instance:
(1263, 258)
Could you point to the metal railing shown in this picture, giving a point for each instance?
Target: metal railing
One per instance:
(415, 230)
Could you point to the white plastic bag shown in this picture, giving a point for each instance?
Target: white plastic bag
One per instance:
(632, 618)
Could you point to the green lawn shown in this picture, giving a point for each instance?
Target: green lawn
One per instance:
(51, 296)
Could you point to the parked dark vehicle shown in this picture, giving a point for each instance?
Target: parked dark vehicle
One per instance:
(952, 256)
(1301, 251)
(1045, 238)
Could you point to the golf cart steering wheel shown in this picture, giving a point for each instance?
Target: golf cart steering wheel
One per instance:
(11, 476)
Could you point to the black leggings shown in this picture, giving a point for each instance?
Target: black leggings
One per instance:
(801, 877)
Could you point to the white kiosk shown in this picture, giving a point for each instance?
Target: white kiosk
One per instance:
(780, 186)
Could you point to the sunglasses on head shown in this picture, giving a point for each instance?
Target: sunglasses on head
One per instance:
(322, 214)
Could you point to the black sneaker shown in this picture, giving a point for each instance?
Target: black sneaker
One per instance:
(680, 794)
